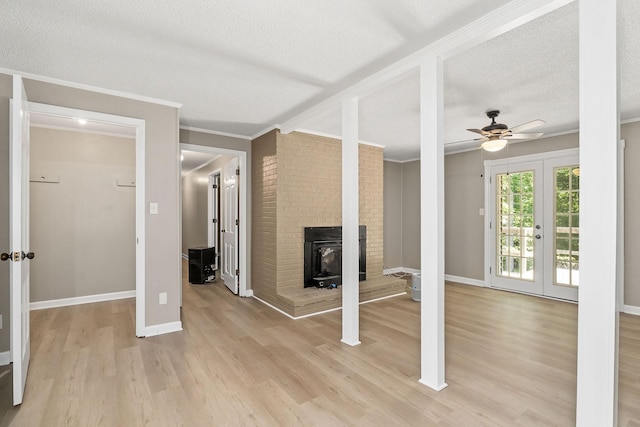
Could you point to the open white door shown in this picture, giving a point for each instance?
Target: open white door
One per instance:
(19, 238)
(230, 226)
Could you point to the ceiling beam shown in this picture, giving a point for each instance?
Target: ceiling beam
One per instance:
(491, 25)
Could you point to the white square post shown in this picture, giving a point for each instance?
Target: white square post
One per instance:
(432, 223)
(350, 222)
(599, 134)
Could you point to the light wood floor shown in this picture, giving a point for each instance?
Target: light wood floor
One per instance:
(510, 362)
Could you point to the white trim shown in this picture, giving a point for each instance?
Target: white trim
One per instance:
(185, 256)
(86, 299)
(215, 132)
(339, 138)
(265, 131)
(495, 23)
(163, 328)
(243, 289)
(90, 88)
(75, 129)
(139, 124)
(465, 280)
(394, 270)
(323, 311)
(631, 309)
(620, 228)
(5, 358)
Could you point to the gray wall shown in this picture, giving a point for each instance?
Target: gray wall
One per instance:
(464, 196)
(411, 215)
(195, 211)
(85, 213)
(392, 215)
(161, 173)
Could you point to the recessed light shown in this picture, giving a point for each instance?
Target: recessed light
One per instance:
(82, 121)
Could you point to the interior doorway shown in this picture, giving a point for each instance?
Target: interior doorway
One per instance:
(136, 127)
(223, 172)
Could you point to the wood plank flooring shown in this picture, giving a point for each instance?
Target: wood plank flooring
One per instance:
(510, 362)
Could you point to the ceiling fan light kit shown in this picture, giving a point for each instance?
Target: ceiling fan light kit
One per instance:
(495, 136)
(494, 145)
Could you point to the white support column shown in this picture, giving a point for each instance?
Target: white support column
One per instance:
(350, 222)
(432, 223)
(599, 134)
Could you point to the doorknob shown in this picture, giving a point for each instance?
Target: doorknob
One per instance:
(29, 255)
(5, 256)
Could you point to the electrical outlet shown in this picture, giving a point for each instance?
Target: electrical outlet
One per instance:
(162, 298)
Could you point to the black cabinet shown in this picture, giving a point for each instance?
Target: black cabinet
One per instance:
(201, 261)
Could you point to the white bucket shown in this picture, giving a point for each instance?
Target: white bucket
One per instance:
(415, 286)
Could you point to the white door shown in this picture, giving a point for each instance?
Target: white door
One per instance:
(517, 227)
(562, 213)
(230, 226)
(19, 237)
(534, 226)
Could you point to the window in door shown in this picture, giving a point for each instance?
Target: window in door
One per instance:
(567, 230)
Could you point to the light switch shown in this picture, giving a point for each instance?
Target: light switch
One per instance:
(153, 208)
(481, 211)
(162, 298)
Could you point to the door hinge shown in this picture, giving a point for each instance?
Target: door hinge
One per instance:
(489, 270)
(214, 220)
(237, 171)
(237, 222)
(238, 272)
(490, 225)
(215, 186)
(489, 180)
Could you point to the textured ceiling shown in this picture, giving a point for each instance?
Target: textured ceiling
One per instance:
(240, 67)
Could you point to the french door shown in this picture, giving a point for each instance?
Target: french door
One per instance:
(533, 226)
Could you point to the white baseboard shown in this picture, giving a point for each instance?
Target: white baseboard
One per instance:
(465, 280)
(39, 305)
(163, 328)
(631, 309)
(248, 293)
(5, 358)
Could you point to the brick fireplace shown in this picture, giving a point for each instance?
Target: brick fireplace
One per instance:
(296, 183)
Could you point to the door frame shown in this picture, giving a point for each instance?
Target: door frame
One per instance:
(490, 209)
(244, 203)
(213, 231)
(139, 125)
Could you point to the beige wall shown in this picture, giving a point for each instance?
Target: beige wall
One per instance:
(195, 212)
(86, 214)
(392, 214)
(298, 184)
(464, 196)
(162, 262)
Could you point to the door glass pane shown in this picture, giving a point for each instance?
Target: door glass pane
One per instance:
(515, 242)
(566, 235)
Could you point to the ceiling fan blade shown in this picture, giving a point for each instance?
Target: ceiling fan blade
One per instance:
(524, 135)
(468, 141)
(480, 131)
(526, 126)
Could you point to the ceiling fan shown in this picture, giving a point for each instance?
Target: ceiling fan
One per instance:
(496, 135)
